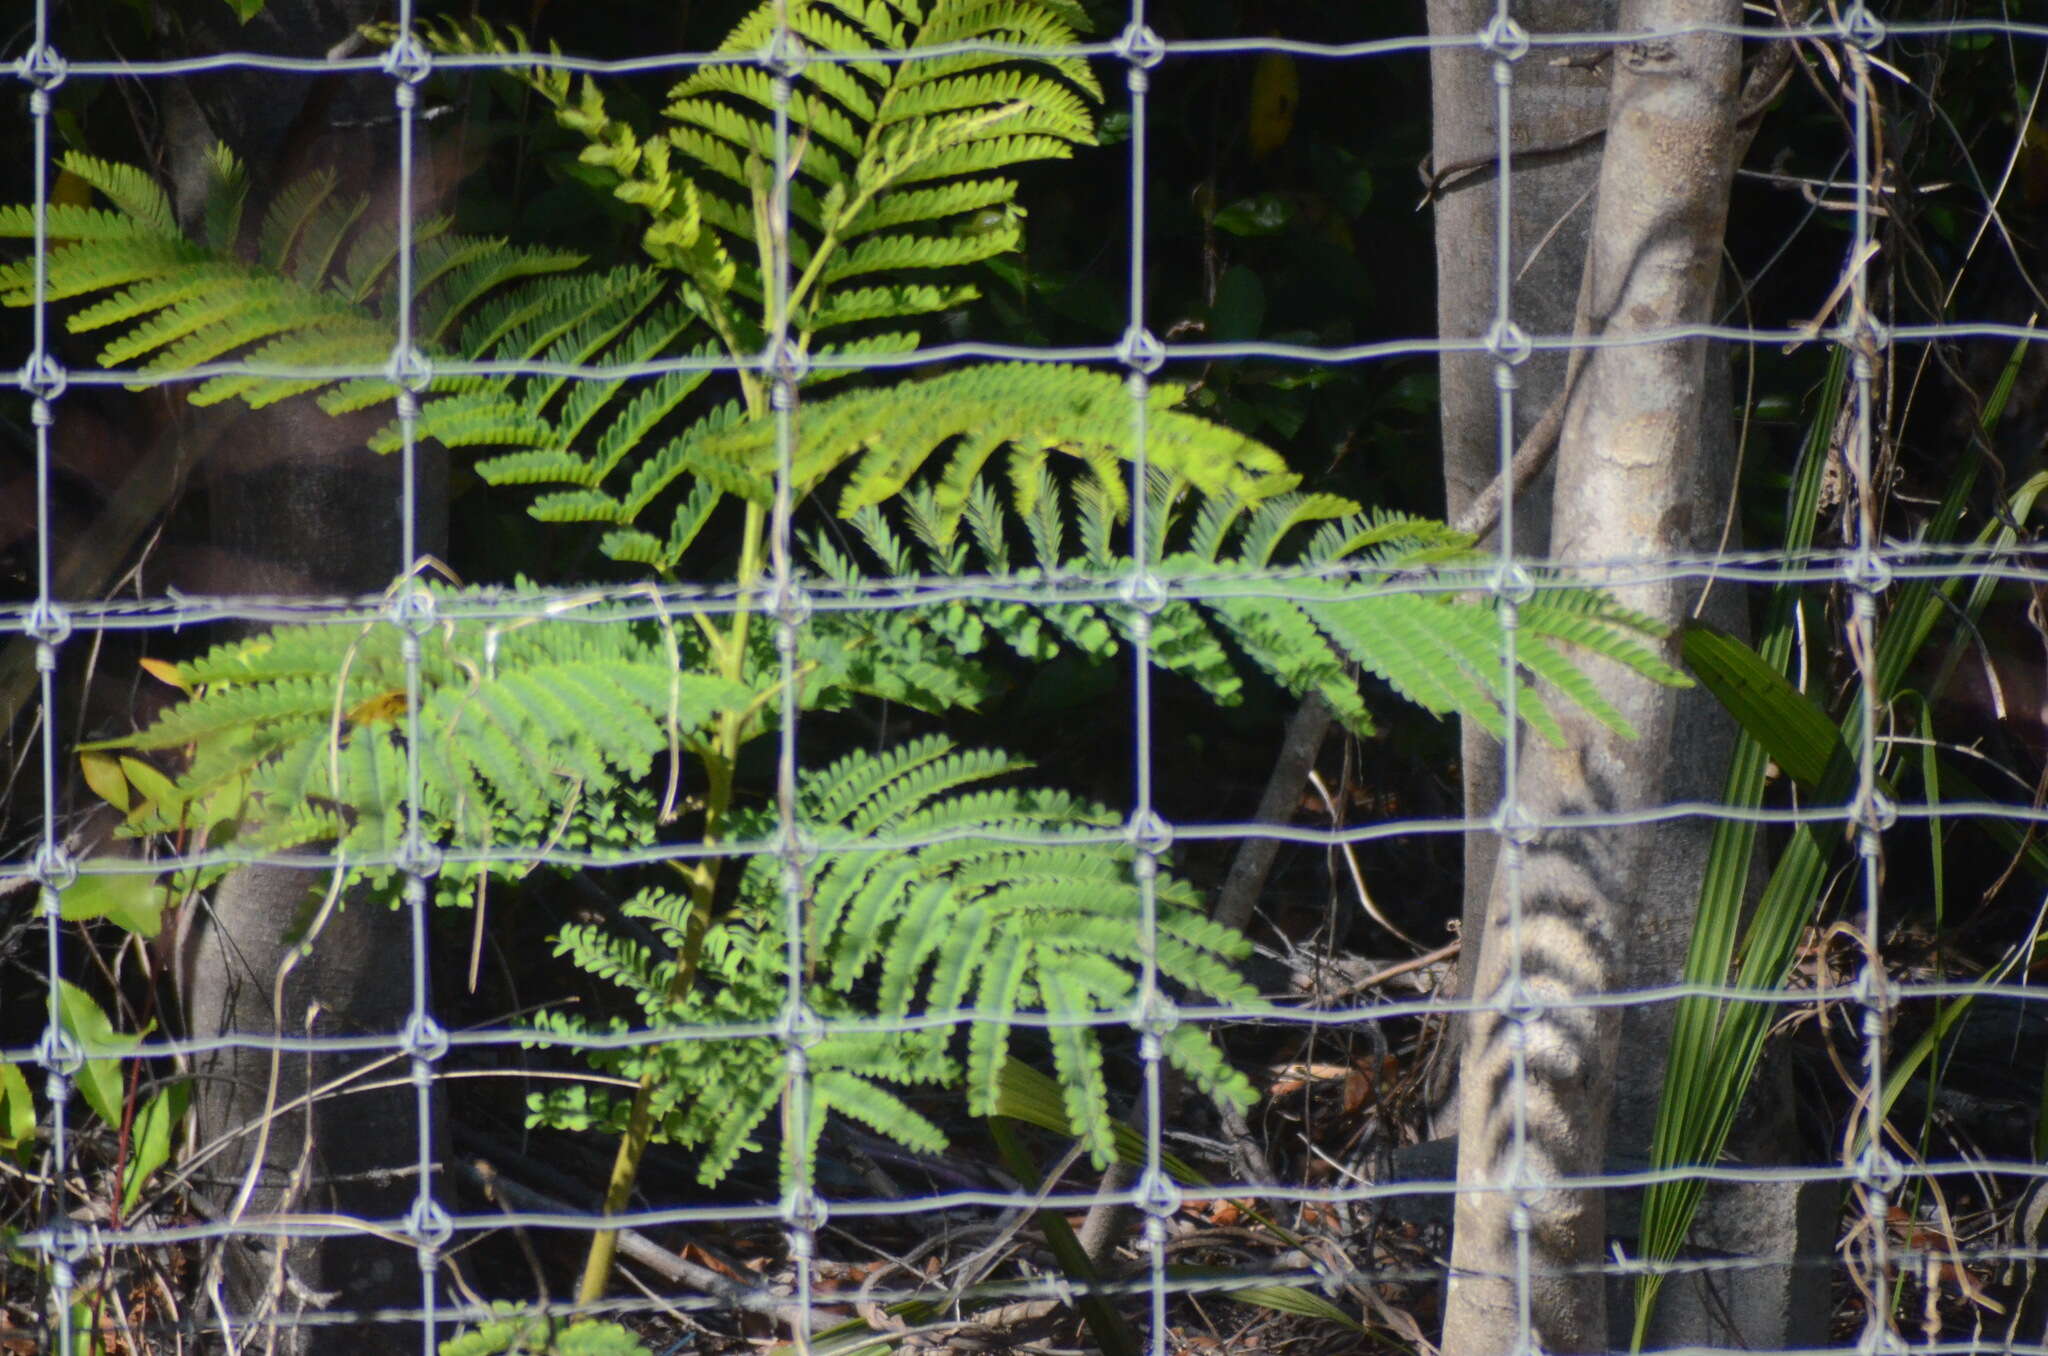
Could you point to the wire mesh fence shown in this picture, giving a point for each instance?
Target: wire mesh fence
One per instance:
(817, 938)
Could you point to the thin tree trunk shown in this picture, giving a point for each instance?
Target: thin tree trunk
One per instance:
(300, 507)
(1630, 484)
(1558, 101)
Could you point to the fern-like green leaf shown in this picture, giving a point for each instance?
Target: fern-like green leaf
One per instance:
(978, 924)
(308, 301)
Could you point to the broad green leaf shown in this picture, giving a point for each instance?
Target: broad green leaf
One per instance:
(104, 776)
(149, 1139)
(1789, 724)
(1285, 1299)
(1239, 311)
(128, 899)
(157, 790)
(17, 1114)
(1025, 1094)
(99, 1078)
(1266, 214)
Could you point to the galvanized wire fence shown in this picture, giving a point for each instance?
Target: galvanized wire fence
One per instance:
(67, 1251)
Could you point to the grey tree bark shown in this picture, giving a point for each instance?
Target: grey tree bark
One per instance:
(1594, 911)
(1559, 101)
(300, 507)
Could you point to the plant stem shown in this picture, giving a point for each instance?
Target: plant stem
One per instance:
(734, 728)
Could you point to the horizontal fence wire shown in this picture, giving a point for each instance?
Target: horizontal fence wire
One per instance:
(73, 1253)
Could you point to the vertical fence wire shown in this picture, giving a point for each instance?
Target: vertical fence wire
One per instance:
(1506, 41)
(787, 600)
(1876, 1172)
(57, 1052)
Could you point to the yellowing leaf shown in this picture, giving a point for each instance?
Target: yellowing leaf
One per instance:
(382, 709)
(166, 672)
(1276, 93)
(103, 775)
(157, 790)
(71, 190)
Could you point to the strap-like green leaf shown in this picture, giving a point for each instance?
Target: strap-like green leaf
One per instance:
(1788, 723)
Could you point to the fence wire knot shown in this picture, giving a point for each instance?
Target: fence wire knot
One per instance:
(418, 857)
(1157, 1016)
(49, 625)
(1513, 584)
(787, 365)
(799, 1027)
(1509, 343)
(59, 1055)
(1879, 1170)
(804, 1211)
(1867, 574)
(1140, 350)
(428, 1225)
(408, 60)
(411, 608)
(785, 54)
(795, 846)
(423, 1038)
(42, 378)
(791, 604)
(1874, 811)
(1519, 1006)
(53, 866)
(43, 68)
(1515, 825)
(1504, 39)
(1150, 835)
(410, 371)
(1861, 28)
(1158, 1195)
(1140, 47)
(1144, 592)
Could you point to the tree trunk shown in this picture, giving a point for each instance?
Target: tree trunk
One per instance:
(300, 507)
(1632, 482)
(1558, 101)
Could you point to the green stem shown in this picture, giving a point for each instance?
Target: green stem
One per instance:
(734, 728)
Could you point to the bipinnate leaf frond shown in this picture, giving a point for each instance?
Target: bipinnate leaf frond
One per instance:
(518, 723)
(317, 295)
(1309, 588)
(893, 156)
(965, 423)
(937, 890)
